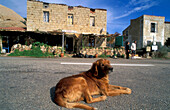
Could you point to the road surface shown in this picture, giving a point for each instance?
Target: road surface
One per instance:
(29, 83)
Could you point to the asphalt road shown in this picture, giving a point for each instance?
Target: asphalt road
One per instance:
(29, 83)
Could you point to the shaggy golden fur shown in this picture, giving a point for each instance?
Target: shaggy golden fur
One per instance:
(82, 86)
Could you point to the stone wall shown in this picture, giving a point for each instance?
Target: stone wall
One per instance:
(135, 32)
(167, 31)
(58, 15)
(120, 52)
(140, 30)
(158, 36)
(54, 49)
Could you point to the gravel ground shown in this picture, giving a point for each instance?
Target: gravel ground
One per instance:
(29, 83)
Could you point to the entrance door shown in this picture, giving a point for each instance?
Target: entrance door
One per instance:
(5, 43)
(69, 44)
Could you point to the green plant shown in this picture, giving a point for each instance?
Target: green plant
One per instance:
(108, 39)
(62, 51)
(161, 53)
(104, 56)
(16, 53)
(38, 44)
(100, 48)
(123, 56)
(37, 30)
(29, 41)
(35, 52)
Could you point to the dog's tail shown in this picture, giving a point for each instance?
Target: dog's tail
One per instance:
(59, 100)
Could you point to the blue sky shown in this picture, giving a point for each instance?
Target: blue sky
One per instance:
(119, 12)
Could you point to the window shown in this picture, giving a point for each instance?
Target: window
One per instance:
(158, 44)
(70, 19)
(92, 10)
(126, 33)
(45, 5)
(46, 16)
(149, 43)
(91, 41)
(92, 21)
(70, 7)
(153, 27)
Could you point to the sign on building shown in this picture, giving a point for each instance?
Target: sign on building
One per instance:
(154, 47)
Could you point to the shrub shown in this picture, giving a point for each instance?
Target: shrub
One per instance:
(35, 52)
(123, 56)
(16, 53)
(162, 52)
(104, 56)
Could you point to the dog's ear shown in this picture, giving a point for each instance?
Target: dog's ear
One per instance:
(94, 69)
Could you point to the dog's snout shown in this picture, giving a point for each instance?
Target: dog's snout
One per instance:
(111, 69)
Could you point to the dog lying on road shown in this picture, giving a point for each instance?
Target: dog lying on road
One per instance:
(82, 86)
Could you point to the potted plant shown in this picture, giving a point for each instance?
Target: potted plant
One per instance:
(96, 55)
(62, 54)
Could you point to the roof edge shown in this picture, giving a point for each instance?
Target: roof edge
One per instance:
(68, 5)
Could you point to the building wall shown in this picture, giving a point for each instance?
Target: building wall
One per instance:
(58, 18)
(135, 32)
(140, 30)
(167, 31)
(157, 36)
(0, 43)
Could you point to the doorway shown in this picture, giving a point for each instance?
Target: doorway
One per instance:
(69, 44)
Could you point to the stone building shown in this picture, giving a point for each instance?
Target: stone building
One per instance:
(147, 29)
(78, 22)
(49, 17)
(167, 33)
(9, 21)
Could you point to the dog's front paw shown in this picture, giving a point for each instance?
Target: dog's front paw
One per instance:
(103, 97)
(95, 108)
(129, 91)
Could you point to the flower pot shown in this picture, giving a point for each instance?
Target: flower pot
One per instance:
(96, 55)
(62, 55)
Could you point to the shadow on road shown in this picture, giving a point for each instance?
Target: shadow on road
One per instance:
(52, 94)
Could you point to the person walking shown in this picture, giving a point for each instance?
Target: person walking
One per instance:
(133, 48)
(127, 50)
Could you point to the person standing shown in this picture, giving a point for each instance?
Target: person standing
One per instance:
(133, 48)
(127, 50)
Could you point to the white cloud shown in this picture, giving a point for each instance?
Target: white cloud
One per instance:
(142, 5)
(137, 2)
(110, 15)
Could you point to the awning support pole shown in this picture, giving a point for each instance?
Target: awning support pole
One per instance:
(63, 42)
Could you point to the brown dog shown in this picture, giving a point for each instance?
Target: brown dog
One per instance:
(82, 86)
